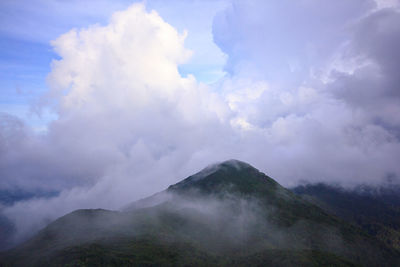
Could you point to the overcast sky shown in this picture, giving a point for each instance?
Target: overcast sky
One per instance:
(106, 102)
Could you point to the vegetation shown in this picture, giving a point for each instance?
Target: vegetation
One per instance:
(230, 214)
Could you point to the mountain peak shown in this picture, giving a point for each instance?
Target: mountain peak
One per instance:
(225, 176)
(227, 210)
(228, 165)
(234, 163)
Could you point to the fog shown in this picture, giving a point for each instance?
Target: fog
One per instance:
(304, 99)
(218, 224)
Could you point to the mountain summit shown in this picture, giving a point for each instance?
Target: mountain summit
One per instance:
(218, 177)
(227, 214)
(231, 178)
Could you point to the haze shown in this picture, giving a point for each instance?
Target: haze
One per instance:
(105, 103)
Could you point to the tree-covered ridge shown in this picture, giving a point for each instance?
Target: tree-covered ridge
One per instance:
(227, 214)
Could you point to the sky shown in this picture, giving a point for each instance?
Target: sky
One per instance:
(106, 102)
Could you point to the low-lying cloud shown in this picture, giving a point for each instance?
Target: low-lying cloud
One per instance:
(311, 94)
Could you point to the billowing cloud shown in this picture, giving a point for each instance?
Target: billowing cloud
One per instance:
(128, 123)
(317, 80)
(282, 39)
(311, 94)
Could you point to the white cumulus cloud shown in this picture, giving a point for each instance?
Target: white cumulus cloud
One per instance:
(130, 125)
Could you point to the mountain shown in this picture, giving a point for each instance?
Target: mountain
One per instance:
(374, 209)
(227, 214)
(7, 229)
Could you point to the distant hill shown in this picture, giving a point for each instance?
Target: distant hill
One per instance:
(7, 229)
(375, 209)
(8, 198)
(227, 214)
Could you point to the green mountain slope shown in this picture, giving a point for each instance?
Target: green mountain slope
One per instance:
(227, 214)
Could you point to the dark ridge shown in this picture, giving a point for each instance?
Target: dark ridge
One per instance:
(9, 197)
(374, 209)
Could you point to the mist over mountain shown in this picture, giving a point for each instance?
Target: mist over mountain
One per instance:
(105, 103)
(108, 103)
(227, 214)
(8, 230)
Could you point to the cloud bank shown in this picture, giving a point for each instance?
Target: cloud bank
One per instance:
(312, 93)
